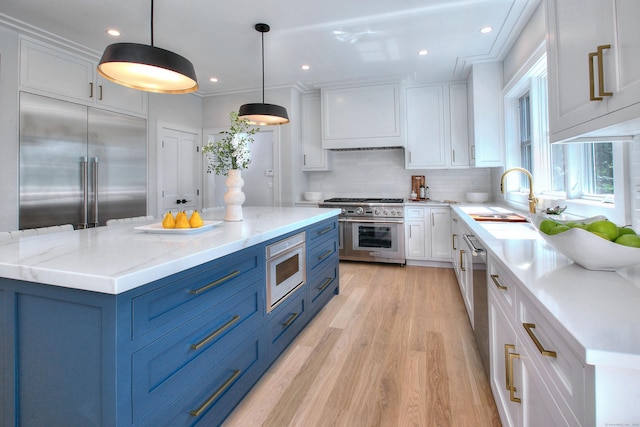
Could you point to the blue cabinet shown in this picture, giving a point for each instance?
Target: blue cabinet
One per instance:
(182, 350)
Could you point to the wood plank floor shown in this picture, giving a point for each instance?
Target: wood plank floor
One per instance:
(395, 348)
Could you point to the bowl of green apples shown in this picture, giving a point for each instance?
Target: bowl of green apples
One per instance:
(593, 243)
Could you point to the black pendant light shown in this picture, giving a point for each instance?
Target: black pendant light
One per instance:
(261, 113)
(148, 68)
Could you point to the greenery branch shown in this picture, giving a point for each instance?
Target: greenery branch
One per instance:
(232, 151)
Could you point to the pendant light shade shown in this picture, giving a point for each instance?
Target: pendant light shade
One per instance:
(148, 68)
(261, 113)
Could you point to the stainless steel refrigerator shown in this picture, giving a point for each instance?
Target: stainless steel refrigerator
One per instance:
(79, 165)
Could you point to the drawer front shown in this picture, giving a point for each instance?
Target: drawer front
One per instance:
(193, 292)
(505, 285)
(216, 391)
(322, 283)
(321, 255)
(322, 231)
(552, 355)
(285, 323)
(169, 365)
(415, 213)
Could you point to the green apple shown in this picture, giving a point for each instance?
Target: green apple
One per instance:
(559, 229)
(599, 234)
(547, 225)
(605, 227)
(626, 230)
(632, 240)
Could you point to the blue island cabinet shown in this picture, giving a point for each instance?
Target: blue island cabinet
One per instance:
(180, 351)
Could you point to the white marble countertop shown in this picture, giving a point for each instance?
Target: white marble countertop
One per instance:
(117, 258)
(597, 312)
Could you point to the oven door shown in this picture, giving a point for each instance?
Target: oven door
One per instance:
(374, 240)
(286, 269)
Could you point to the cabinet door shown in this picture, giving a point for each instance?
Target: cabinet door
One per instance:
(485, 93)
(314, 157)
(440, 233)
(459, 124)
(426, 144)
(180, 174)
(576, 28)
(55, 71)
(120, 97)
(416, 242)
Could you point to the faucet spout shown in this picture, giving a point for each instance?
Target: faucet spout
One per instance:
(533, 201)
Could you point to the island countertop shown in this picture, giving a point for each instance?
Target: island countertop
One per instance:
(115, 259)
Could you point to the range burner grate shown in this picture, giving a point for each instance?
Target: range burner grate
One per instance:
(362, 200)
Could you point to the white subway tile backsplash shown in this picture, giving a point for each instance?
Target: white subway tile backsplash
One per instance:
(381, 173)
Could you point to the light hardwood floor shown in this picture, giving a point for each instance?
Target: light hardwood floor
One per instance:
(395, 348)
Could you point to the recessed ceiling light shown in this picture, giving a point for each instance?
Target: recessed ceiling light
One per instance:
(213, 79)
(113, 32)
(423, 52)
(305, 67)
(485, 30)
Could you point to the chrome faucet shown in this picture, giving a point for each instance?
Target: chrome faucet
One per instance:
(533, 201)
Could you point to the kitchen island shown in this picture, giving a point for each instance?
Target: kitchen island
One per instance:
(115, 326)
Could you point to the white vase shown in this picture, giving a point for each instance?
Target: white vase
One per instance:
(234, 197)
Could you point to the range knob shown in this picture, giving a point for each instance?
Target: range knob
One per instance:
(359, 211)
(377, 211)
(386, 213)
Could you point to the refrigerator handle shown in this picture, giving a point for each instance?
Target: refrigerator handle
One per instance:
(95, 192)
(85, 192)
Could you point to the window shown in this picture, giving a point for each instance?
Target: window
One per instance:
(525, 136)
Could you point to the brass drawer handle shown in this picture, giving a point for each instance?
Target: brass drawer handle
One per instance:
(512, 389)
(494, 279)
(215, 395)
(234, 273)
(461, 261)
(324, 255)
(528, 327)
(215, 333)
(325, 284)
(325, 230)
(289, 321)
(507, 372)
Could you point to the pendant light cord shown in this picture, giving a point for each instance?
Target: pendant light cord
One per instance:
(151, 22)
(262, 67)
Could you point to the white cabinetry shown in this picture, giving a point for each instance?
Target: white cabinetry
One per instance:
(436, 126)
(594, 67)
(363, 116)
(427, 233)
(48, 70)
(315, 158)
(485, 97)
(535, 378)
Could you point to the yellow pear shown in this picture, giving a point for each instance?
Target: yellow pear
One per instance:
(196, 221)
(168, 221)
(182, 221)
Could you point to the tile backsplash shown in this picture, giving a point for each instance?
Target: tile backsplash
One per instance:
(381, 173)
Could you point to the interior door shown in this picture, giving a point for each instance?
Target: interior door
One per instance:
(181, 170)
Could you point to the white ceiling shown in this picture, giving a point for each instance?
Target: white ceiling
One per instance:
(342, 40)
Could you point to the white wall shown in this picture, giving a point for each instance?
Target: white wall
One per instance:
(374, 173)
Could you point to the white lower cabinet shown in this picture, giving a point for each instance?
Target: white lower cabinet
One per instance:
(536, 380)
(427, 233)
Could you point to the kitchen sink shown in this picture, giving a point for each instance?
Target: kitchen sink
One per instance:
(494, 214)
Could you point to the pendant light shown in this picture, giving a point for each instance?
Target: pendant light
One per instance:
(148, 68)
(261, 113)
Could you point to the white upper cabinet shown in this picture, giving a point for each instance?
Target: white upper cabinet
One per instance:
(437, 128)
(315, 158)
(361, 117)
(49, 70)
(593, 67)
(485, 98)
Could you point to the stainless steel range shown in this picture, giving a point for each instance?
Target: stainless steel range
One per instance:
(370, 229)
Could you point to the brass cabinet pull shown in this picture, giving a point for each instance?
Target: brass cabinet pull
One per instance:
(215, 333)
(216, 394)
(512, 389)
(234, 273)
(325, 284)
(600, 55)
(592, 83)
(494, 279)
(528, 327)
(325, 230)
(100, 92)
(507, 372)
(453, 241)
(90, 90)
(461, 262)
(289, 321)
(324, 255)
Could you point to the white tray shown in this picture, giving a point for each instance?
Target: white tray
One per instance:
(157, 228)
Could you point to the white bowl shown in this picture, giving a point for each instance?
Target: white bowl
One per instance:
(477, 197)
(313, 196)
(587, 249)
